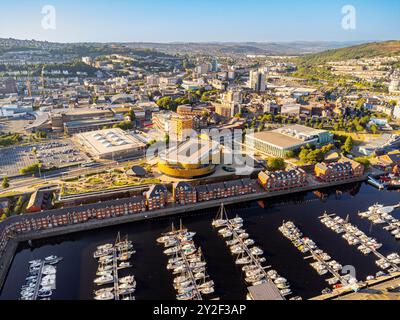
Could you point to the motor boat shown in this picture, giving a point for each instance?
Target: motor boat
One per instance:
(256, 251)
(219, 223)
(243, 261)
(207, 290)
(171, 251)
(243, 236)
(165, 239)
(52, 259)
(48, 269)
(128, 279)
(105, 296)
(249, 242)
(232, 242)
(105, 246)
(186, 296)
(106, 279)
(285, 292)
(181, 279)
(45, 294)
(237, 250)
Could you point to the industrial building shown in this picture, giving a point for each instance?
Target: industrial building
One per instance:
(73, 121)
(111, 144)
(289, 138)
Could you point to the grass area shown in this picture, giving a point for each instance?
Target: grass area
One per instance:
(358, 138)
(103, 181)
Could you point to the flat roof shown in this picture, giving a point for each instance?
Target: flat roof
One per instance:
(265, 292)
(79, 123)
(300, 129)
(278, 139)
(193, 151)
(109, 140)
(79, 111)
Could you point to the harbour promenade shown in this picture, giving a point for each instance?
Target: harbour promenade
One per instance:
(172, 209)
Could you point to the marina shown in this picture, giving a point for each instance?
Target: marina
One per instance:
(113, 258)
(323, 262)
(366, 245)
(381, 215)
(75, 274)
(248, 256)
(186, 261)
(41, 279)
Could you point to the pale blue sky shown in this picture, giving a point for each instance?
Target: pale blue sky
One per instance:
(200, 21)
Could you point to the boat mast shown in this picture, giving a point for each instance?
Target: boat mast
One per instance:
(118, 240)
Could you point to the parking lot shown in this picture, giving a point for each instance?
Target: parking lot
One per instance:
(56, 154)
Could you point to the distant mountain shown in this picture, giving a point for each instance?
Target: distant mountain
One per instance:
(244, 48)
(368, 50)
(314, 52)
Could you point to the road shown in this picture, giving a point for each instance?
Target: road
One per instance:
(55, 176)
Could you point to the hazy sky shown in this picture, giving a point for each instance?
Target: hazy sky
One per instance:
(200, 21)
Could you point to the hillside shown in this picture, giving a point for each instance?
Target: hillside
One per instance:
(369, 50)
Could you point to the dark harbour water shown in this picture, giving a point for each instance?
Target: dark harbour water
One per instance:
(75, 274)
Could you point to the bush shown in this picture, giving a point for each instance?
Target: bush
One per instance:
(364, 161)
(276, 164)
(5, 184)
(32, 169)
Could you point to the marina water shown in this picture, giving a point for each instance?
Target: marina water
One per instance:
(75, 274)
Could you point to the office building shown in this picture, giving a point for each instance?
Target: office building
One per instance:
(257, 80)
(289, 138)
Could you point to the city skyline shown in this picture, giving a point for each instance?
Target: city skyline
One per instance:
(221, 21)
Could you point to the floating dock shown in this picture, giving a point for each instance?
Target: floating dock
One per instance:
(262, 291)
(361, 241)
(297, 237)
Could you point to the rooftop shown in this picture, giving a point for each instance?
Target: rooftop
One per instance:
(265, 292)
(109, 140)
(277, 139)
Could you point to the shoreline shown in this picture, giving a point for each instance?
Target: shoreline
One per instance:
(8, 256)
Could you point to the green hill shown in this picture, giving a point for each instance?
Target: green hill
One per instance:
(368, 50)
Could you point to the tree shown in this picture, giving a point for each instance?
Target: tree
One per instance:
(5, 184)
(374, 129)
(290, 154)
(124, 125)
(364, 161)
(166, 138)
(32, 169)
(348, 145)
(132, 115)
(181, 100)
(360, 103)
(275, 164)
(166, 103)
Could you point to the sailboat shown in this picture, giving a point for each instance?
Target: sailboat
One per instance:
(221, 220)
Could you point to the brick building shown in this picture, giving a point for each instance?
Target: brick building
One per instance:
(184, 193)
(282, 180)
